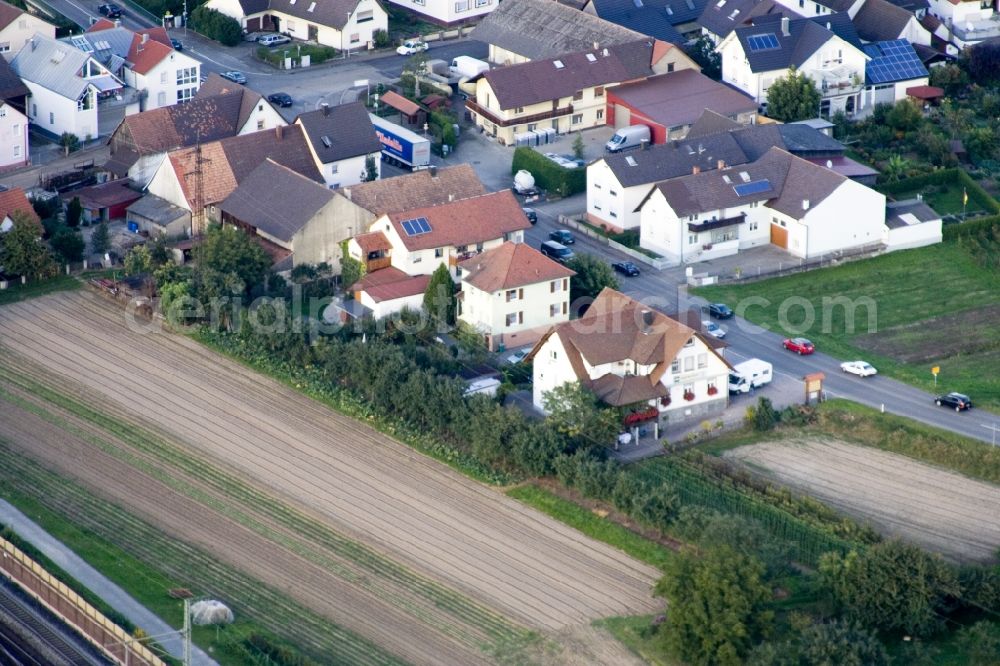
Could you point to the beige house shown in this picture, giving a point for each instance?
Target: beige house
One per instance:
(512, 294)
(634, 357)
(424, 238)
(568, 92)
(17, 27)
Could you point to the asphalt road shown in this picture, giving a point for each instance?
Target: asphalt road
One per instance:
(665, 290)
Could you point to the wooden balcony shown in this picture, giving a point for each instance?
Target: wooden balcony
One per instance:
(519, 120)
(376, 263)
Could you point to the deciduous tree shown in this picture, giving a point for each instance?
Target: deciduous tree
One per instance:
(834, 643)
(100, 240)
(439, 298)
(592, 275)
(68, 245)
(793, 97)
(22, 251)
(230, 250)
(580, 415)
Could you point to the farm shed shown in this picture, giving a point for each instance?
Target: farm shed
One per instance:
(158, 217)
(104, 201)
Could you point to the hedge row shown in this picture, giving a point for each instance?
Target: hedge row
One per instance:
(549, 176)
(967, 229)
(215, 25)
(945, 177)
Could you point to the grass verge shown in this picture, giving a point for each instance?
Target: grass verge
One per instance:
(638, 634)
(593, 525)
(21, 292)
(907, 292)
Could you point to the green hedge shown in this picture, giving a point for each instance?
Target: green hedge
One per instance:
(967, 229)
(214, 25)
(945, 177)
(548, 175)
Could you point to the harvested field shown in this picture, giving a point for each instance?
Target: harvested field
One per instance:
(350, 524)
(941, 511)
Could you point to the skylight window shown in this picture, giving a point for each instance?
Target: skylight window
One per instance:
(629, 160)
(326, 141)
(744, 176)
(721, 3)
(312, 6)
(558, 64)
(591, 57)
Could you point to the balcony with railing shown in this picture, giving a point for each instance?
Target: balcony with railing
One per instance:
(475, 107)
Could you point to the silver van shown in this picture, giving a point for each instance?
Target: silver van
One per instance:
(557, 251)
(627, 137)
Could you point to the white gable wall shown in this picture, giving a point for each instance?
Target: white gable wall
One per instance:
(13, 137)
(55, 114)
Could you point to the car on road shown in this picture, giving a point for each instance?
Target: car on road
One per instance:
(719, 311)
(859, 368)
(110, 10)
(412, 47)
(798, 345)
(562, 236)
(556, 251)
(273, 40)
(626, 268)
(280, 98)
(517, 356)
(713, 329)
(957, 401)
(235, 77)
(531, 215)
(177, 44)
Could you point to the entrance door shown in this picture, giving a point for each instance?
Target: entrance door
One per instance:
(779, 236)
(313, 33)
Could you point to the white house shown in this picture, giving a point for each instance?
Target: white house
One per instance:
(13, 137)
(66, 85)
(512, 294)
(881, 20)
(448, 12)
(802, 207)
(341, 139)
(387, 291)
(424, 238)
(343, 24)
(967, 22)
(635, 357)
(755, 56)
(909, 224)
(17, 27)
(145, 60)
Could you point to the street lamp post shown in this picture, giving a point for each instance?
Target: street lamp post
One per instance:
(184, 19)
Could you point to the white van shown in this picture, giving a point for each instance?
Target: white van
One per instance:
(627, 137)
(750, 375)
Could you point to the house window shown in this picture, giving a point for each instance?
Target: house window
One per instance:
(515, 318)
(260, 124)
(364, 17)
(163, 77)
(675, 366)
(553, 354)
(614, 214)
(692, 239)
(553, 286)
(34, 110)
(692, 218)
(187, 75)
(461, 6)
(483, 3)
(596, 207)
(417, 259)
(554, 310)
(17, 151)
(290, 26)
(565, 284)
(52, 118)
(600, 114)
(17, 128)
(577, 118)
(4, 47)
(334, 168)
(670, 67)
(688, 363)
(565, 307)
(438, 252)
(514, 295)
(185, 95)
(599, 91)
(420, 2)
(702, 361)
(613, 193)
(355, 38)
(578, 95)
(161, 98)
(752, 226)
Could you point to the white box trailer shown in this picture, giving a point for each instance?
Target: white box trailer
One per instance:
(750, 374)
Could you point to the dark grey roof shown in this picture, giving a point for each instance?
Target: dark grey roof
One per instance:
(921, 212)
(11, 85)
(806, 141)
(805, 37)
(711, 122)
(912, 6)
(837, 5)
(880, 20)
(537, 29)
(347, 128)
(253, 6)
(325, 12)
(677, 99)
(651, 17)
(723, 20)
(159, 210)
(276, 200)
(552, 78)
(674, 159)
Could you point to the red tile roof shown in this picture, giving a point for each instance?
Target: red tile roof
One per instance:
(464, 222)
(400, 103)
(372, 242)
(104, 195)
(101, 24)
(145, 56)
(391, 283)
(511, 265)
(158, 33)
(13, 200)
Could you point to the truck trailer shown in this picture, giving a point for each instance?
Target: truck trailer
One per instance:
(400, 146)
(750, 374)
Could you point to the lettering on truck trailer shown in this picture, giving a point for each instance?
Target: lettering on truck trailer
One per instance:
(389, 141)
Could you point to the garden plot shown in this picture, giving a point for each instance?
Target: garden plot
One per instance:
(939, 510)
(405, 537)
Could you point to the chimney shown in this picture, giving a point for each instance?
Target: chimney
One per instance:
(145, 37)
(721, 164)
(326, 108)
(434, 171)
(647, 321)
(279, 132)
(805, 204)
(597, 45)
(118, 23)
(695, 169)
(33, 44)
(451, 197)
(645, 144)
(784, 26)
(347, 193)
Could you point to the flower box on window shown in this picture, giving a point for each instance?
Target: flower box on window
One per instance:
(712, 390)
(689, 395)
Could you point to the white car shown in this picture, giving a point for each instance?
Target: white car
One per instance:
(411, 47)
(517, 356)
(859, 368)
(714, 329)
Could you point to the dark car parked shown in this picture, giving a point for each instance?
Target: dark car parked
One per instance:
(956, 401)
(110, 10)
(720, 311)
(626, 268)
(281, 99)
(177, 44)
(562, 236)
(531, 215)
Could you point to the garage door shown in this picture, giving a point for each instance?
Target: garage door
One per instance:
(253, 25)
(779, 236)
(623, 116)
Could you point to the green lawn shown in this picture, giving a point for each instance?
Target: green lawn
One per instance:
(18, 292)
(639, 636)
(927, 307)
(945, 199)
(593, 525)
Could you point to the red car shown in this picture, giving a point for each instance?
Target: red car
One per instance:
(798, 345)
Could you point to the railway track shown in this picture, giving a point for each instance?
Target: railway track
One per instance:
(40, 642)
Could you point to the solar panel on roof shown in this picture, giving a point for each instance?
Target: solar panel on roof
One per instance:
(416, 227)
(893, 61)
(762, 42)
(756, 187)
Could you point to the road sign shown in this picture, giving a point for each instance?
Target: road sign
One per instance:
(935, 370)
